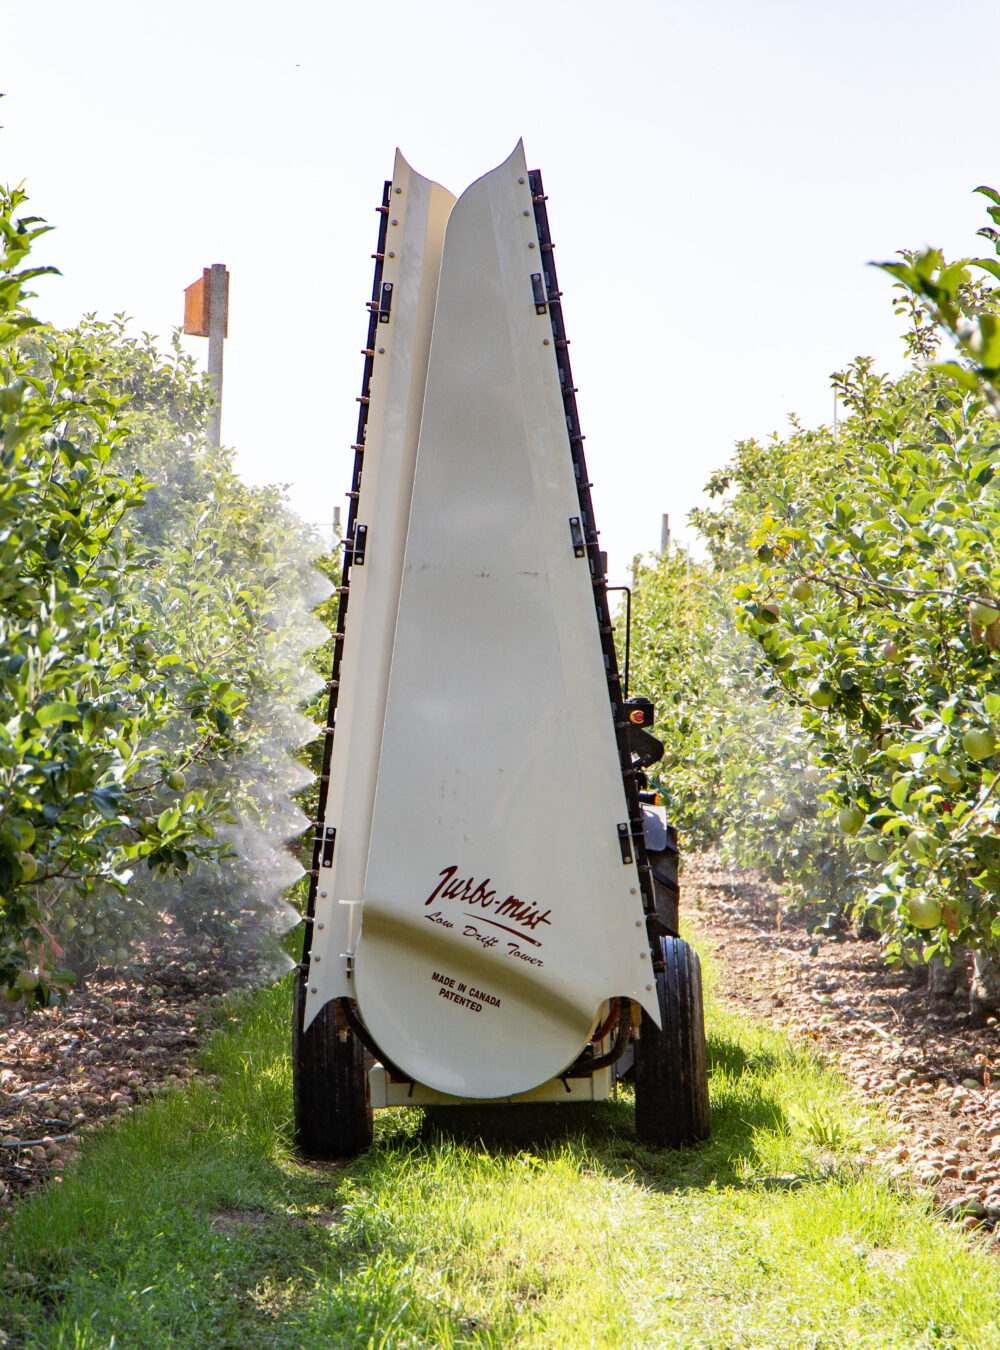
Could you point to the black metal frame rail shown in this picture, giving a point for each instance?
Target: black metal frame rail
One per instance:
(595, 558)
(322, 846)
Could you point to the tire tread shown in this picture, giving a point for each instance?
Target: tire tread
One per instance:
(671, 1072)
(332, 1100)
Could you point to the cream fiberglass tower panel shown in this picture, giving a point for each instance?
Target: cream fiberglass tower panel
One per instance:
(418, 213)
(498, 913)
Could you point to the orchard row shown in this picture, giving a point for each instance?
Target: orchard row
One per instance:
(829, 680)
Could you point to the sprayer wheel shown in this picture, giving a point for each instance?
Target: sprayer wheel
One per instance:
(671, 1076)
(333, 1110)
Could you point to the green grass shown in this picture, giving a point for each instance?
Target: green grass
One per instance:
(192, 1224)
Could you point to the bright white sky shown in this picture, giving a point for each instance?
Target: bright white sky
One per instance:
(718, 177)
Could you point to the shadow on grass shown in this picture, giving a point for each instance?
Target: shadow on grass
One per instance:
(745, 1108)
(734, 1059)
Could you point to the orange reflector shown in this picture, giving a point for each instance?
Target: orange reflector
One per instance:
(636, 716)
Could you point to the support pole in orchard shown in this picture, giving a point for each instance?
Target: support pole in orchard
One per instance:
(206, 314)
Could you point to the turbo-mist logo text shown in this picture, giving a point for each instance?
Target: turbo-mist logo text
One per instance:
(478, 895)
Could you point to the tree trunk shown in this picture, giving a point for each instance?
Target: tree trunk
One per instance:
(984, 992)
(942, 980)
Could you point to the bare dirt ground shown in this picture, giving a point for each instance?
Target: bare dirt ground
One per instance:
(121, 1038)
(920, 1058)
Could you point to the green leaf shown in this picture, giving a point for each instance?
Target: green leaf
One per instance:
(49, 713)
(987, 264)
(168, 820)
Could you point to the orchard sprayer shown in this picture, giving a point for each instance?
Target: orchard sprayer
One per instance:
(493, 902)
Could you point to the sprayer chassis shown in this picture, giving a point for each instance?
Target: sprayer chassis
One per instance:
(483, 922)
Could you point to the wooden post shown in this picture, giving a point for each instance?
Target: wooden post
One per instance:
(664, 535)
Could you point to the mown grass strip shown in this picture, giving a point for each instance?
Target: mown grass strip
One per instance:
(192, 1224)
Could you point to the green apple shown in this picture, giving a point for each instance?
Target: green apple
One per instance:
(27, 980)
(892, 654)
(803, 590)
(822, 694)
(12, 994)
(27, 864)
(983, 613)
(876, 850)
(923, 912)
(948, 774)
(767, 798)
(919, 844)
(176, 780)
(850, 819)
(979, 744)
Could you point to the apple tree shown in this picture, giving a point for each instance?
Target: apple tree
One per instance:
(864, 566)
(737, 774)
(829, 679)
(87, 790)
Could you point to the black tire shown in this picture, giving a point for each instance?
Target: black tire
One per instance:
(333, 1109)
(663, 864)
(671, 1074)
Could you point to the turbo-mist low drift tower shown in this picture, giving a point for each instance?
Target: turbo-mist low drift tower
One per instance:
(493, 906)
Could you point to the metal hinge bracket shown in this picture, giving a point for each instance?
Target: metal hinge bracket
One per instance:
(360, 544)
(625, 842)
(329, 838)
(576, 534)
(385, 303)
